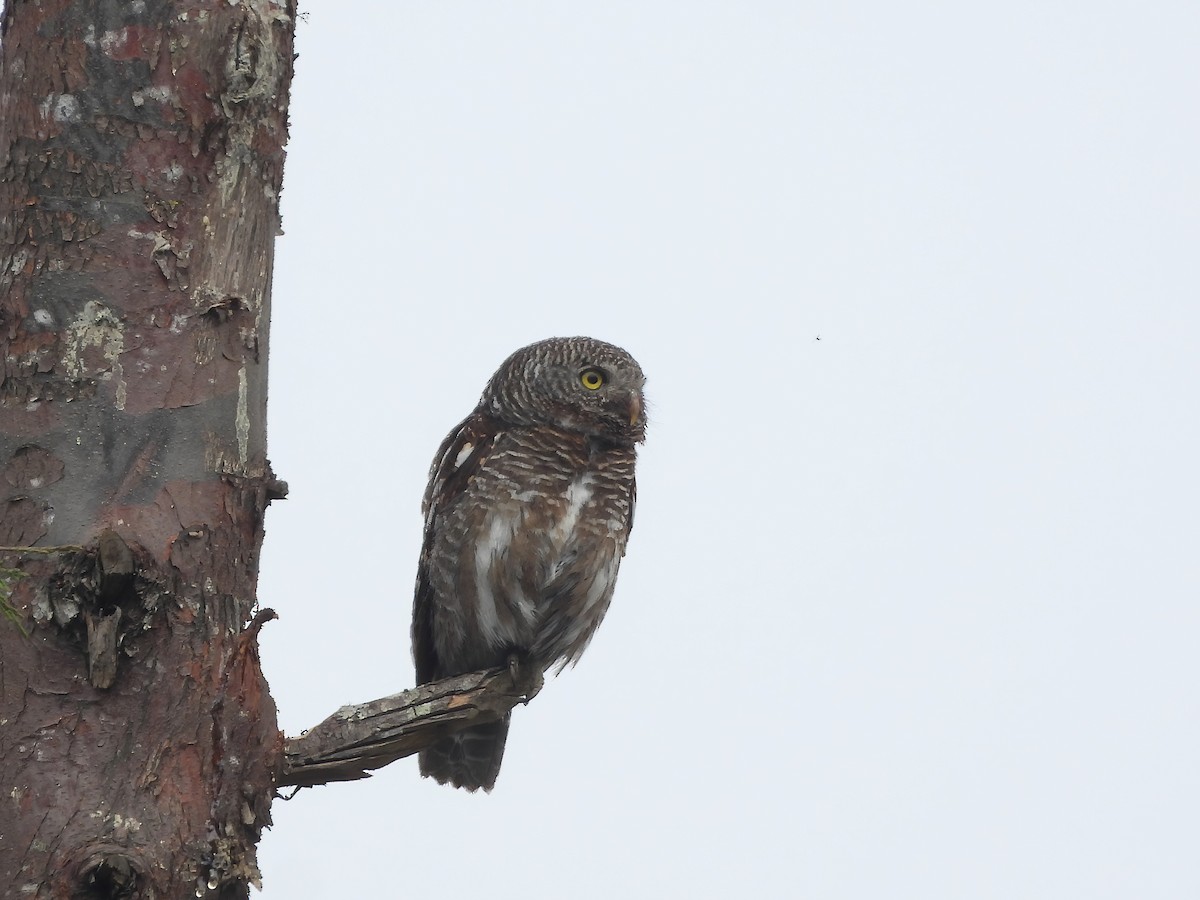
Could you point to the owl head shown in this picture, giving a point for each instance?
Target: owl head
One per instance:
(578, 384)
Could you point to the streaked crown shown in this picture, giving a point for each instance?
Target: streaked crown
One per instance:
(575, 383)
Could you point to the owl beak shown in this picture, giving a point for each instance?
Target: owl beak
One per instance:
(635, 408)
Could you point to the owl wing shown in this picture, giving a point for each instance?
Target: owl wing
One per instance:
(460, 456)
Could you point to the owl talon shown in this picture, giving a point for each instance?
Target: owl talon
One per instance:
(526, 678)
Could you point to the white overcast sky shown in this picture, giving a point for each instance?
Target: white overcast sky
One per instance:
(909, 611)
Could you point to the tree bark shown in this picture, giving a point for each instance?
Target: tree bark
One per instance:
(141, 158)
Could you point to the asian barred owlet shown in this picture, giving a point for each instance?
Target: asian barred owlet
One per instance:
(528, 508)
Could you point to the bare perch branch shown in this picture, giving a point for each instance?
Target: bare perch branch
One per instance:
(365, 736)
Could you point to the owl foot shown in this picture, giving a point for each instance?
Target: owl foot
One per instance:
(526, 677)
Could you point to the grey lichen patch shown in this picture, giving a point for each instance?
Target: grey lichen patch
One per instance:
(63, 108)
(66, 611)
(61, 607)
(93, 344)
(156, 93)
(16, 262)
(41, 607)
(421, 710)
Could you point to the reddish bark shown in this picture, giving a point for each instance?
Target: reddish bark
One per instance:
(141, 157)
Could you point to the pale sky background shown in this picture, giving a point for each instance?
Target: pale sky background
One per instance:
(910, 611)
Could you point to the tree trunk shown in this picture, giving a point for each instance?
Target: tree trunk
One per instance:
(141, 157)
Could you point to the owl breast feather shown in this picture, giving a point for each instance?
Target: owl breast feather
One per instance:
(546, 551)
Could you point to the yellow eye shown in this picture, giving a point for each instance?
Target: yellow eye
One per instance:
(592, 379)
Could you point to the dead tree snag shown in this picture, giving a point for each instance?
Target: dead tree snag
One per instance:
(141, 158)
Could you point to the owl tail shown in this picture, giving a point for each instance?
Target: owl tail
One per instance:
(469, 758)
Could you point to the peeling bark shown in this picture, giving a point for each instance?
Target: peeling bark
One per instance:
(141, 158)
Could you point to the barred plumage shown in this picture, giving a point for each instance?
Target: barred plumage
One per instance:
(528, 509)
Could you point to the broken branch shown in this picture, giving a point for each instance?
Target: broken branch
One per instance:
(365, 736)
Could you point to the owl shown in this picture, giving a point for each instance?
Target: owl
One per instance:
(528, 509)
